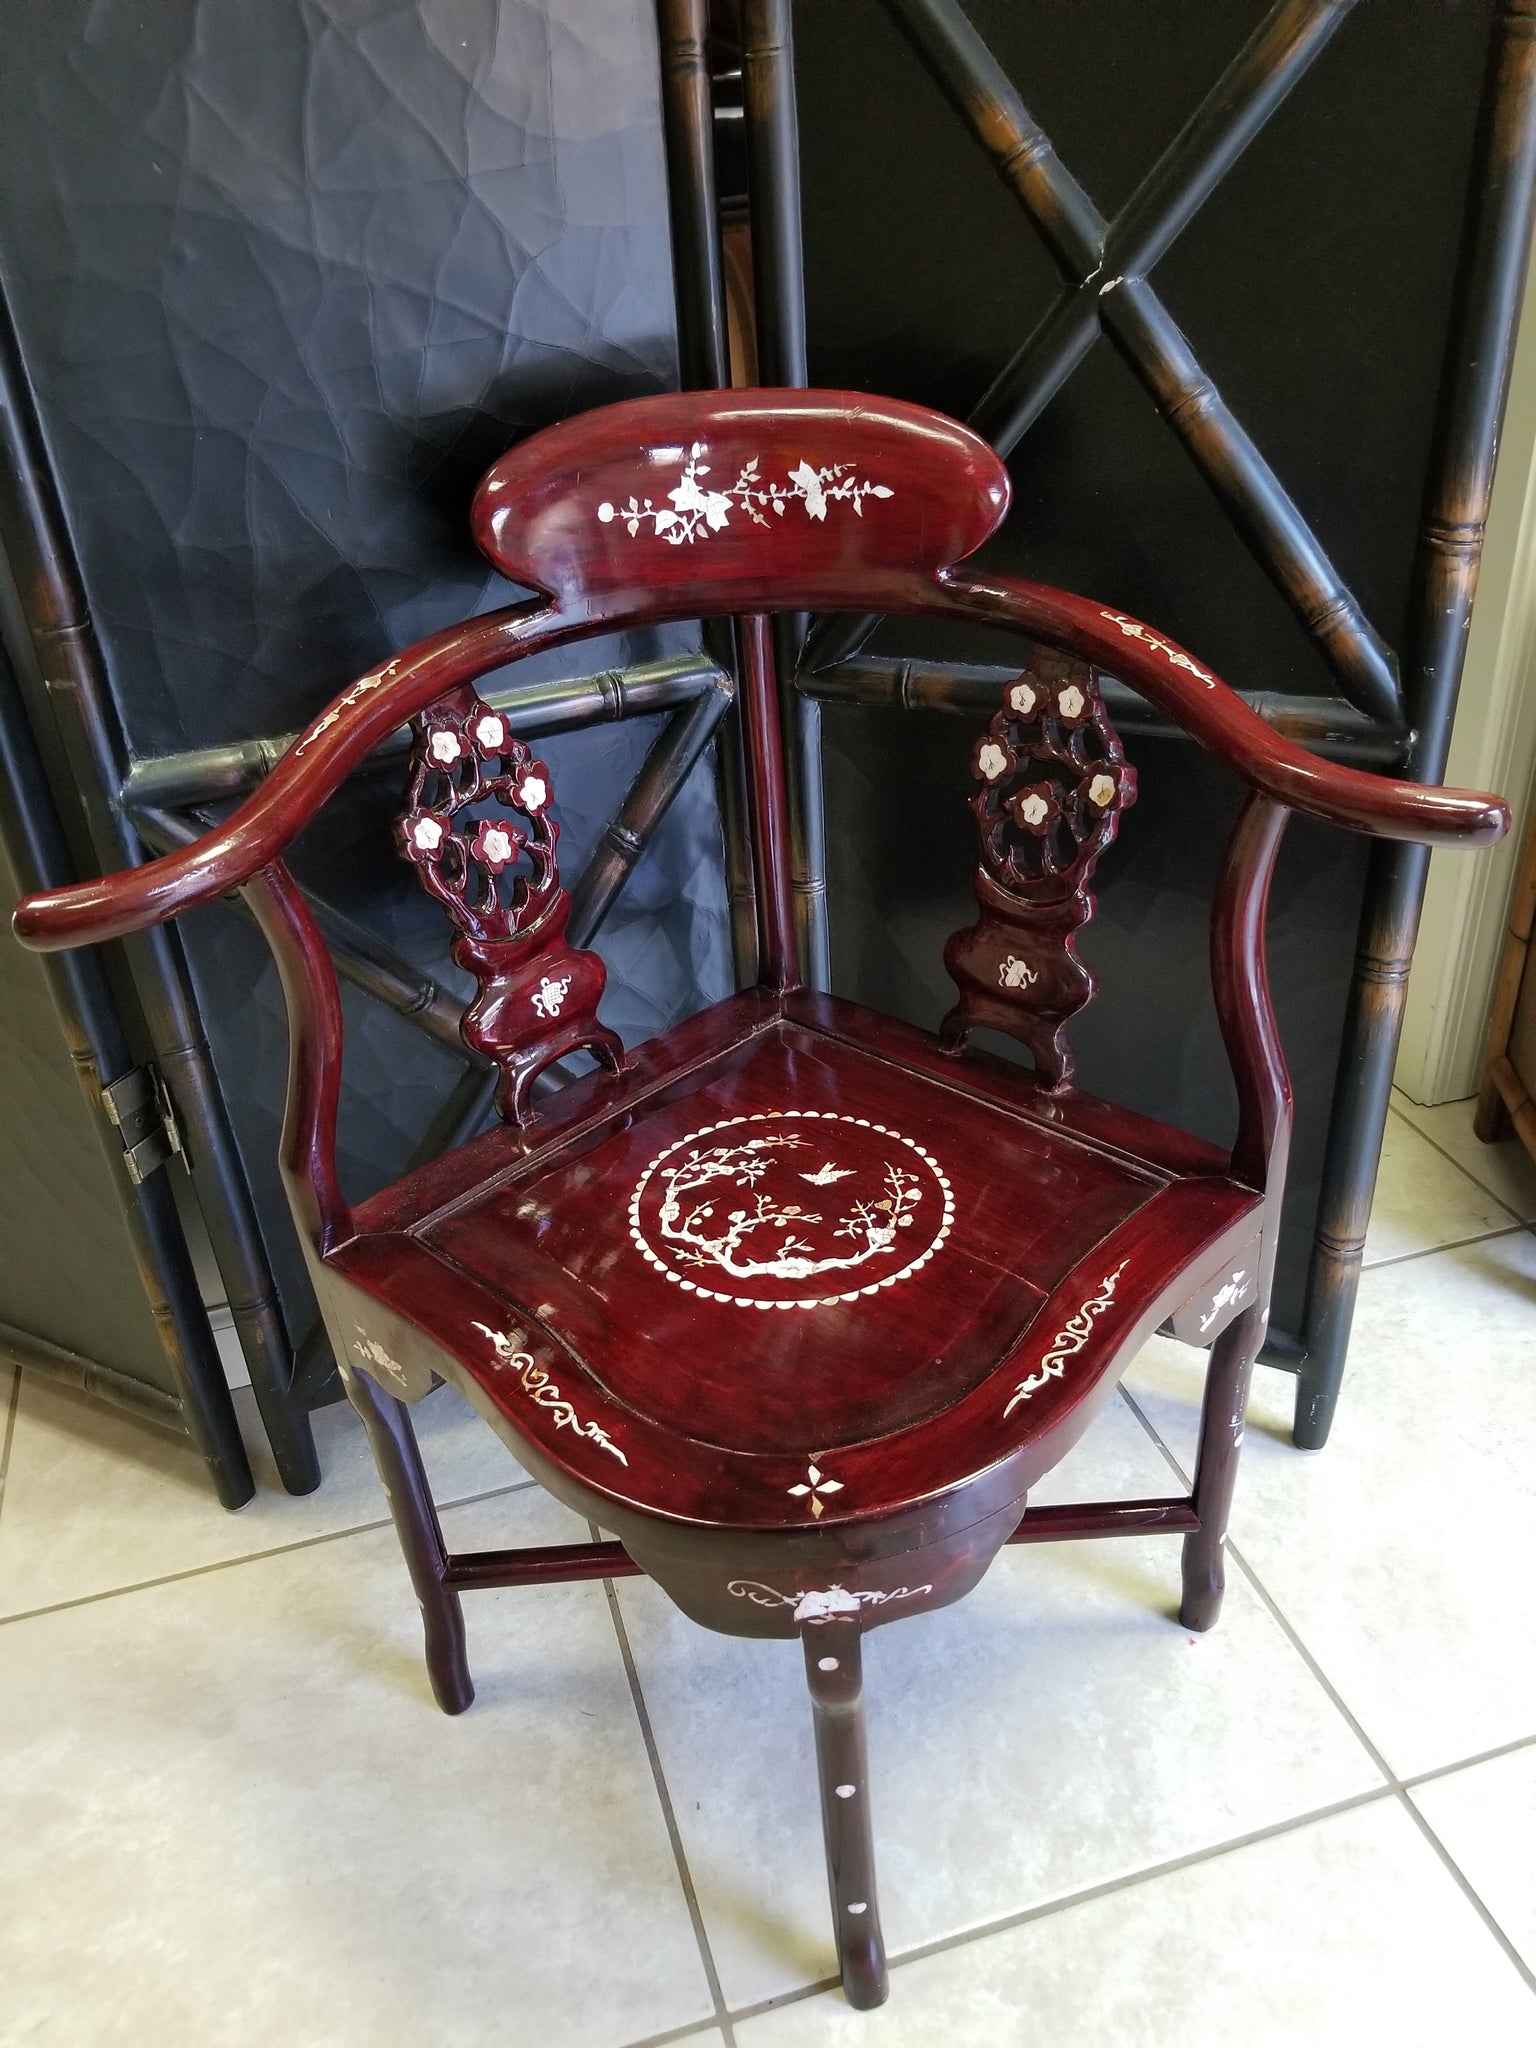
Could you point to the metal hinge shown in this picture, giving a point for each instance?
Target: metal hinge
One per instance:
(139, 1106)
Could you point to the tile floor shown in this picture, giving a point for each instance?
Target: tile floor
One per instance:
(230, 1814)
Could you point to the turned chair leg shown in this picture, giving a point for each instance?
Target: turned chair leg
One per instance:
(834, 1668)
(1221, 1434)
(403, 1476)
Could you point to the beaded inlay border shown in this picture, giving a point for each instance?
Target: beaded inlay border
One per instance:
(824, 1116)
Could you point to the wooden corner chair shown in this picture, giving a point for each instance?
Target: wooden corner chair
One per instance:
(797, 1301)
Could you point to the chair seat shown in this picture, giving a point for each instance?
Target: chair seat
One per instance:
(797, 1265)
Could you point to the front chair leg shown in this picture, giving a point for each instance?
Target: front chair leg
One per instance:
(834, 1667)
(1221, 1434)
(403, 1476)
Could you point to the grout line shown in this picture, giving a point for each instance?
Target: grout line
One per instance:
(698, 2030)
(1467, 1763)
(10, 1429)
(722, 2017)
(1436, 1146)
(1394, 1784)
(224, 1564)
(1453, 1244)
(1048, 1908)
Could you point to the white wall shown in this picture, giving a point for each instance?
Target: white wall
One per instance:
(1493, 746)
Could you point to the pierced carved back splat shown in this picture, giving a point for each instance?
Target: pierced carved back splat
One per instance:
(498, 875)
(1054, 781)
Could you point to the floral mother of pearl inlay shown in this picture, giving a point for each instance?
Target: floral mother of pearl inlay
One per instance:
(698, 1208)
(1133, 629)
(694, 511)
(822, 1606)
(1069, 1340)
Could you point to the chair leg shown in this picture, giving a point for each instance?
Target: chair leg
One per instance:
(834, 1668)
(1221, 1434)
(403, 1476)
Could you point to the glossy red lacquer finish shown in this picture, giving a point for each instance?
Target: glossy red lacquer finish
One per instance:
(796, 1301)
(797, 561)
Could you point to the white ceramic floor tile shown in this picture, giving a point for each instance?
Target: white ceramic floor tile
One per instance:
(233, 1817)
(1346, 1932)
(1486, 1817)
(1505, 1169)
(1402, 1552)
(1422, 1200)
(1054, 1730)
(96, 1498)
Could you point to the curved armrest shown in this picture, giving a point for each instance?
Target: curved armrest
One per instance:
(322, 757)
(1212, 713)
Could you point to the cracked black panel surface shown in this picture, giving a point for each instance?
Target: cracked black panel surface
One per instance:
(288, 277)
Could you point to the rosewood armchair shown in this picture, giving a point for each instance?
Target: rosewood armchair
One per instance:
(797, 1301)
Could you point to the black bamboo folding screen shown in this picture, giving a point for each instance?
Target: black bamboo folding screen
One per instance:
(1234, 287)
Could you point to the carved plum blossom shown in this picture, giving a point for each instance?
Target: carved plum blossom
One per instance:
(1100, 789)
(993, 760)
(694, 510)
(495, 845)
(1035, 808)
(1023, 698)
(467, 757)
(1072, 704)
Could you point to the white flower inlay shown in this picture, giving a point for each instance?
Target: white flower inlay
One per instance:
(812, 1486)
(1033, 808)
(1068, 1341)
(446, 747)
(991, 761)
(1233, 1290)
(1012, 973)
(1023, 697)
(1101, 791)
(1071, 702)
(694, 510)
(371, 1349)
(542, 1391)
(496, 841)
(533, 793)
(427, 834)
(549, 996)
(823, 1605)
(491, 732)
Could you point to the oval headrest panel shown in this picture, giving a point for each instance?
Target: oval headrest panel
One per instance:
(744, 499)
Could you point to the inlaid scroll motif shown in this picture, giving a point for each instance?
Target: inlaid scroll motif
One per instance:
(1054, 781)
(1069, 1340)
(479, 831)
(825, 1604)
(696, 509)
(791, 1209)
(541, 1390)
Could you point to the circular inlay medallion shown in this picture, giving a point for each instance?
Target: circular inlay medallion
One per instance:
(791, 1208)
